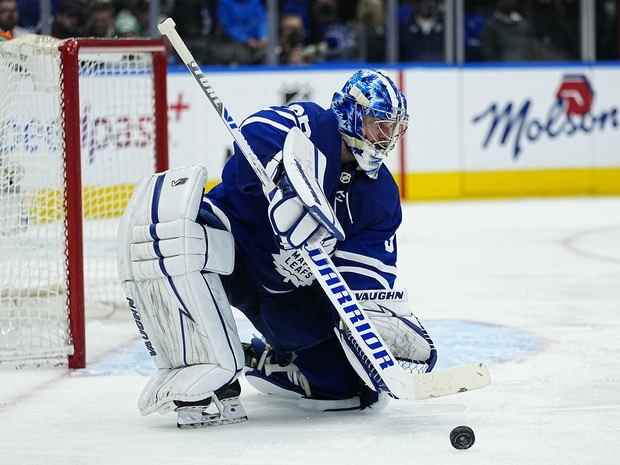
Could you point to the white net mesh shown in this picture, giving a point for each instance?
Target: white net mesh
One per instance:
(117, 149)
(33, 315)
(117, 129)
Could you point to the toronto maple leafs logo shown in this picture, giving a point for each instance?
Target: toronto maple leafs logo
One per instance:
(290, 264)
(293, 268)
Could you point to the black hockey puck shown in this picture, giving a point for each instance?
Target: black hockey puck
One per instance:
(462, 437)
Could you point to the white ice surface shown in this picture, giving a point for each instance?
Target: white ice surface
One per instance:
(549, 267)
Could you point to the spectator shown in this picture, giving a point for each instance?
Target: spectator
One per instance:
(422, 38)
(324, 14)
(556, 25)
(9, 18)
(126, 25)
(29, 14)
(244, 25)
(607, 38)
(140, 9)
(335, 39)
(101, 20)
(371, 26)
(297, 8)
(195, 23)
(292, 40)
(69, 18)
(507, 36)
(405, 11)
(475, 19)
(194, 18)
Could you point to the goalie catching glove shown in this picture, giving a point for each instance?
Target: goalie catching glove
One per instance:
(298, 209)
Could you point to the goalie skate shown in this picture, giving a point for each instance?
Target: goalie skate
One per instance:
(218, 412)
(223, 408)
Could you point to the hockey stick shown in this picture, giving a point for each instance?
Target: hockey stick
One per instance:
(384, 370)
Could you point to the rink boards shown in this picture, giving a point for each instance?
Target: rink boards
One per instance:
(474, 131)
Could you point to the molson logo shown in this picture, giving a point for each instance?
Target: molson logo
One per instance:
(514, 125)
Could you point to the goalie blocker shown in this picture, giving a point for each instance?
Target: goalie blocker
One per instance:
(169, 267)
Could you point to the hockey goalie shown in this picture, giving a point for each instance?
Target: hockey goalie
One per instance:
(186, 257)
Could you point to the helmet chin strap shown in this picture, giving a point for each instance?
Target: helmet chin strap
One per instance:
(365, 155)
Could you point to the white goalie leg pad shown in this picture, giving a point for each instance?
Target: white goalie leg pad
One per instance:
(184, 246)
(181, 311)
(194, 331)
(190, 384)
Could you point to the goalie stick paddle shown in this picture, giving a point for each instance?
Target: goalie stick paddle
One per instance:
(384, 370)
(168, 29)
(451, 381)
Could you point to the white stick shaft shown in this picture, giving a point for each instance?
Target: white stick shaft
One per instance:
(167, 28)
(399, 383)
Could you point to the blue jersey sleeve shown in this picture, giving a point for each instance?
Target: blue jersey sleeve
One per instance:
(265, 131)
(240, 196)
(370, 213)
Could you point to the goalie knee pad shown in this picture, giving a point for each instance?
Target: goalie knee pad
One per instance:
(169, 267)
(159, 235)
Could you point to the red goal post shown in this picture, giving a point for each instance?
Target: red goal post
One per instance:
(82, 121)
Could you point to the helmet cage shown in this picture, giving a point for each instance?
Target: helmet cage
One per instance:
(387, 127)
(370, 122)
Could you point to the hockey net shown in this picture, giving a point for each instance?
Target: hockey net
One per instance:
(81, 121)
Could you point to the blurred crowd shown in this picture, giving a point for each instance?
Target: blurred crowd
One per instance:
(77, 18)
(232, 32)
(530, 30)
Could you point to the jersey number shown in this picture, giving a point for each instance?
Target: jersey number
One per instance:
(304, 121)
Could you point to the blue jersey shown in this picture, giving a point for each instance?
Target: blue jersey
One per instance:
(368, 210)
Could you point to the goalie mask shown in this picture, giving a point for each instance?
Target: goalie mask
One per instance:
(372, 115)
